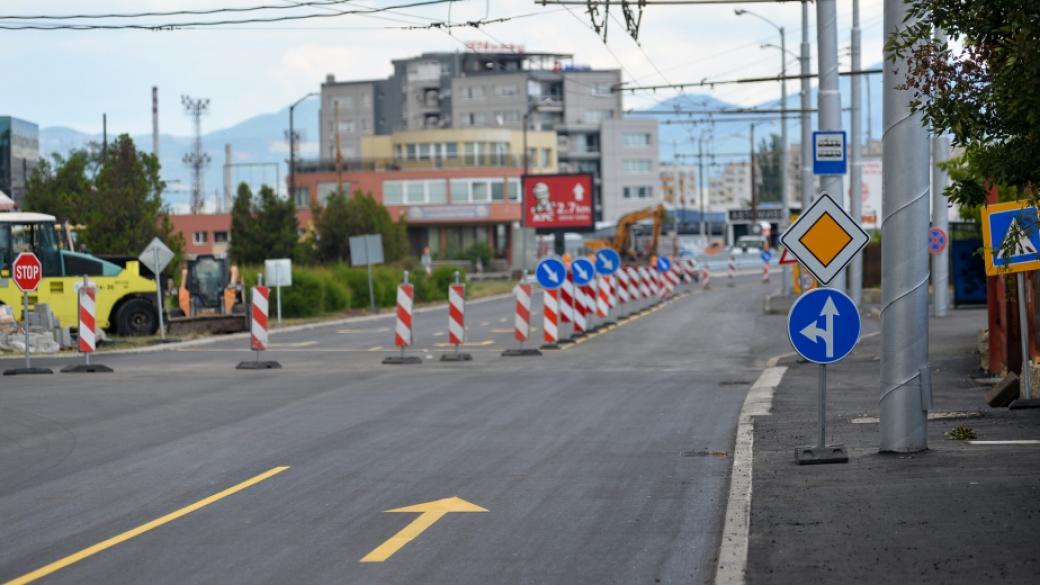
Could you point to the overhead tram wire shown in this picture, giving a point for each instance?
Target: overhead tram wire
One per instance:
(211, 23)
(712, 83)
(202, 12)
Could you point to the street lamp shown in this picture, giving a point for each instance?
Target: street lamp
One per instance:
(783, 127)
(292, 146)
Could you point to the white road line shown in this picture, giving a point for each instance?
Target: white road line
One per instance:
(732, 563)
(1020, 442)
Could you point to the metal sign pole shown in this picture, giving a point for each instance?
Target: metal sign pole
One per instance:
(158, 294)
(371, 290)
(821, 409)
(278, 289)
(25, 305)
(1025, 387)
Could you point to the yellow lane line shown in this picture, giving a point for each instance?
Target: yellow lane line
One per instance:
(119, 538)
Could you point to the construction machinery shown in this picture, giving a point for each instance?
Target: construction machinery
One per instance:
(126, 296)
(209, 299)
(624, 240)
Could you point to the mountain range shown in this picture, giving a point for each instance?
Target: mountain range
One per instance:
(260, 150)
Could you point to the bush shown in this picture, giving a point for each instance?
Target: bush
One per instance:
(480, 251)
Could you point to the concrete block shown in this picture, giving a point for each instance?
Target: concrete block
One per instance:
(1004, 393)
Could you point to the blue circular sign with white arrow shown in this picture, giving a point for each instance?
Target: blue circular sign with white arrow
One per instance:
(583, 271)
(664, 264)
(607, 261)
(551, 273)
(823, 325)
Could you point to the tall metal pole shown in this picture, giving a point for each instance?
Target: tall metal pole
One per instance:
(1025, 386)
(807, 175)
(940, 217)
(829, 97)
(905, 395)
(523, 216)
(855, 269)
(158, 294)
(700, 188)
(155, 121)
(785, 196)
(292, 154)
(751, 168)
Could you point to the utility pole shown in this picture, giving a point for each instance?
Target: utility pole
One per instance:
(701, 195)
(940, 216)
(155, 121)
(228, 197)
(197, 160)
(292, 145)
(855, 269)
(829, 97)
(104, 136)
(786, 273)
(751, 168)
(905, 380)
(807, 174)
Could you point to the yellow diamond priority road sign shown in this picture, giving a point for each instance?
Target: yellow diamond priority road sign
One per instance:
(824, 239)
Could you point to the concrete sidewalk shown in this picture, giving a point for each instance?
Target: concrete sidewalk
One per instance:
(957, 513)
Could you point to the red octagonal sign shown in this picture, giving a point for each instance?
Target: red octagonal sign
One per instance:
(27, 271)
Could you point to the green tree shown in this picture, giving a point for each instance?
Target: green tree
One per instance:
(61, 188)
(361, 214)
(983, 90)
(124, 210)
(769, 158)
(262, 227)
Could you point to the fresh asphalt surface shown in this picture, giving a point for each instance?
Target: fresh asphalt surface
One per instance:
(604, 463)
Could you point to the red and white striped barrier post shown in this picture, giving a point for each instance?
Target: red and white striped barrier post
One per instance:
(87, 329)
(522, 320)
(258, 325)
(623, 296)
(685, 271)
(581, 311)
(644, 285)
(731, 268)
(603, 297)
(456, 321)
(403, 327)
(567, 304)
(551, 318)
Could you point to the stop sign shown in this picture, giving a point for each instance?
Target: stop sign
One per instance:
(27, 271)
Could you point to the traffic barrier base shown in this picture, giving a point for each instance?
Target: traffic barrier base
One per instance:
(259, 364)
(402, 359)
(23, 371)
(455, 357)
(86, 369)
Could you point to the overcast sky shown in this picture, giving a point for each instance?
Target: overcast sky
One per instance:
(68, 78)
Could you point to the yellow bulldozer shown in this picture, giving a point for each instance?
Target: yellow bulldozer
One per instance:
(624, 240)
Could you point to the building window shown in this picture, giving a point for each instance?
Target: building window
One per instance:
(475, 92)
(200, 238)
(507, 117)
(416, 192)
(343, 102)
(641, 192)
(325, 190)
(346, 126)
(451, 150)
(303, 198)
(636, 165)
(506, 90)
(220, 237)
(484, 190)
(546, 160)
(601, 89)
(635, 139)
(596, 116)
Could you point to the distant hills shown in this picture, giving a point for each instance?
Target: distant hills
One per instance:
(261, 139)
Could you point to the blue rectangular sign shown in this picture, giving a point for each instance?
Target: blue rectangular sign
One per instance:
(830, 152)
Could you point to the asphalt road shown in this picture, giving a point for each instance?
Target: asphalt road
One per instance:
(604, 463)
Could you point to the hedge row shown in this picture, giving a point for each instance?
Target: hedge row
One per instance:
(331, 289)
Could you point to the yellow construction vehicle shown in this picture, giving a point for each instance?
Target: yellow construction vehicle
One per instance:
(624, 241)
(126, 303)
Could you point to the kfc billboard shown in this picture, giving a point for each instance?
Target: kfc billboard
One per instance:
(559, 202)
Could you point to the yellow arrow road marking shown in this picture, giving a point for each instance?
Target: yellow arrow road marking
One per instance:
(93, 550)
(429, 514)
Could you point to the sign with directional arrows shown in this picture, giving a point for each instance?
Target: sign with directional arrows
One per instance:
(823, 325)
(663, 264)
(551, 273)
(583, 271)
(429, 514)
(607, 261)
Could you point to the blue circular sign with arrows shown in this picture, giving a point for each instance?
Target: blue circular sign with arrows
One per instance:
(664, 264)
(607, 261)
(823, 325)
(583, 271)
(551, 273)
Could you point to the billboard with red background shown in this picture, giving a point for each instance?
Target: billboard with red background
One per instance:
(553, 202)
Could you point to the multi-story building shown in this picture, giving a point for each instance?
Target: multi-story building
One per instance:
(19, 153)
(500, 87)
(732, 187)
(679, 185)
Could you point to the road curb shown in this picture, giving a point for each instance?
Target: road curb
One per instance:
(733, 549)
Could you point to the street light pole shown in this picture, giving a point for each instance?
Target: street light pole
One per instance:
(807, 175)
(784, 196)
(292, 146)
(856, 160)
(829, 97)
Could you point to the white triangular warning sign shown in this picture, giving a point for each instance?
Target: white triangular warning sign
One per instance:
(1023, 244)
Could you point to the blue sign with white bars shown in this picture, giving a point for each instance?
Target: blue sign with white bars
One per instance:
(550, 273)
(830, 155)
(583, 271)
(607, 261)
(664, 264)
(823, 325)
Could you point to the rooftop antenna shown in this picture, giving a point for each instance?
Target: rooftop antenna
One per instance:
(197, 160)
